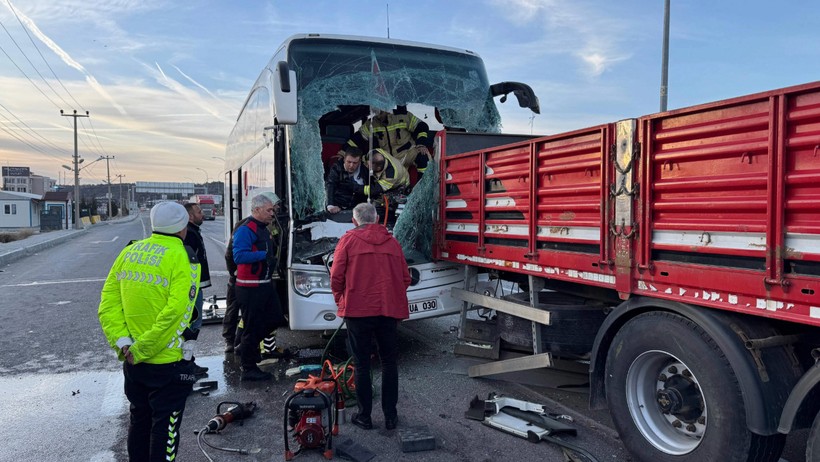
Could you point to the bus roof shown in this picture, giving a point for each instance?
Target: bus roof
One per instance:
(362, 38)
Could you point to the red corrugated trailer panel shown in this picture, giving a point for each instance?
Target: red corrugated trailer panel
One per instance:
(724, 206)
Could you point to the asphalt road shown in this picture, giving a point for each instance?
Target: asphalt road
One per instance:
(62, 386)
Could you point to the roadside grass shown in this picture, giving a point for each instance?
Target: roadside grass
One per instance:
(15, 236)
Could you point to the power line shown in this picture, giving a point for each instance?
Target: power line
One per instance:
(117, 168)
(18, 138)
(25, 29)
(34, 133)
(101, 150)
(32, 64)
(29, 78)
(90, 147)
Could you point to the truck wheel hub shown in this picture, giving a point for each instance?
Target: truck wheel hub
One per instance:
(681, 398)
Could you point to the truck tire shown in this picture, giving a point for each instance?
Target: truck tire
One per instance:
(813, 442)
(574, 322)
(674, 397)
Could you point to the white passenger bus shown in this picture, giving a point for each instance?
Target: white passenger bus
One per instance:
(308, 101)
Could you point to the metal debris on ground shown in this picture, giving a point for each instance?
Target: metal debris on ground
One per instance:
(205, 387)
(527, 420)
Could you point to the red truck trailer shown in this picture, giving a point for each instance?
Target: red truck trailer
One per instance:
(677, 254)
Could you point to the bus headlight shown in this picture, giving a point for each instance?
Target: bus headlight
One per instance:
(306, 283)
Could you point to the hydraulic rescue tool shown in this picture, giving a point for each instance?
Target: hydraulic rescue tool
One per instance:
(236, 412)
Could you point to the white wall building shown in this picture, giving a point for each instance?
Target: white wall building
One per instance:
(19, 210)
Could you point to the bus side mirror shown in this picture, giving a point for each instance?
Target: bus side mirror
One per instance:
(284, 94)
(526, 97)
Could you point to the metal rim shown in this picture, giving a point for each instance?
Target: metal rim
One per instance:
(666, 402)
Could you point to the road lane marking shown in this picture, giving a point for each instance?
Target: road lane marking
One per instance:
(46, 283)
(105, 242)
(218, 241)
(74, 281)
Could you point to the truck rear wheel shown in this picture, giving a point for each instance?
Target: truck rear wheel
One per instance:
(674, 397)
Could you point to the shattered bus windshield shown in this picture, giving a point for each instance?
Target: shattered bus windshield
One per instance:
(336, 75)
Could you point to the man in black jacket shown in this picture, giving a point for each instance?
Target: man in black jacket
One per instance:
(231, 320)
(193, 239)
(346, 181)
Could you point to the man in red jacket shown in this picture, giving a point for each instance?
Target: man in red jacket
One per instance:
(369, 279)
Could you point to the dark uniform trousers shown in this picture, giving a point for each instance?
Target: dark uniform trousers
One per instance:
(360, 332)
(157, 393)
(231, 319)
(261, 313)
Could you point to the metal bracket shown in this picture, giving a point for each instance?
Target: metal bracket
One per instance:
(783, 282)
(754, 352)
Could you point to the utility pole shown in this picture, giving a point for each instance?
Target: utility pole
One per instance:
(77, 221)
(108, 175)
(665, 57)
(121, 207)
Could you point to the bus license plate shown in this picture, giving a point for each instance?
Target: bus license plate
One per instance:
(424, 305)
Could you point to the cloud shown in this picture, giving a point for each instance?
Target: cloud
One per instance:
(569, 28)
(185, 92)
(65, 57)
(190, 79)
(164, 134)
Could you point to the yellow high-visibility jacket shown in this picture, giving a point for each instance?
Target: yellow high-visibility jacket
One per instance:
(148, 299)
(398, 134)
(394, 176)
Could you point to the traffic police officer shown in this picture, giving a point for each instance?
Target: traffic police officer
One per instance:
(145, 312)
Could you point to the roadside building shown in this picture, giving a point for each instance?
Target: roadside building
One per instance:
(149, 193)
(20, 179)
(20, 210)
(59, 203)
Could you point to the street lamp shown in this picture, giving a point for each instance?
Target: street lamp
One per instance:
(207, 179)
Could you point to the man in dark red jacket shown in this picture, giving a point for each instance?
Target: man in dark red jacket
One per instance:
(369, 279)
